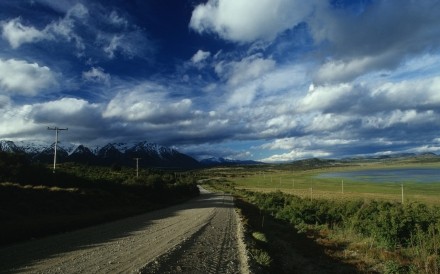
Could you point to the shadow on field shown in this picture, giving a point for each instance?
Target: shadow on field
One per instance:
(290, 251)
(17, 256)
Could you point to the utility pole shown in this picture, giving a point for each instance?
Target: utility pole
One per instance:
(137, 167)
(55, 146)
(402, 192)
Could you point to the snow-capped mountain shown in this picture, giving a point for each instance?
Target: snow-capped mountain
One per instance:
(9, 146)
(151, 155)
(82, 154)
(36, 147)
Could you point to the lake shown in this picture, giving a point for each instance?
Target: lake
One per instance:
(417, 175)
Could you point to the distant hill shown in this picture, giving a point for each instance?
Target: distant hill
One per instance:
(219, 161)
(314, 162)
(397, 157)
(151, 155)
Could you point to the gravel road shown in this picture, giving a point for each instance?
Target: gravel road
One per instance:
(200, 236)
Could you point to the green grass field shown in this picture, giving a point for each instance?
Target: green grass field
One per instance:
(305, 183)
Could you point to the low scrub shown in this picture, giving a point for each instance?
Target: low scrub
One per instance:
(261, 257)
(411, 230)
(392, 225)
(397, 237)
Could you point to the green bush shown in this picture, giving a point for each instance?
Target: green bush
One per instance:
(261, 257)
(390, 224)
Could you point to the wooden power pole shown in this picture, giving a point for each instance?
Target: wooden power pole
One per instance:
(56, 144)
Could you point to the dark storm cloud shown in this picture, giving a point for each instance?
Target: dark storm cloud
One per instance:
(381, 37)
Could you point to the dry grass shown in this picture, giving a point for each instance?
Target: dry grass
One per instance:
(40, 187)
(338, 196)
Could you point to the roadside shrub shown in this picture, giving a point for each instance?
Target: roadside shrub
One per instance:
(392, 267)
(270, 202)
(390, 224)
(18, 169)
(261, 257)
(155, 181)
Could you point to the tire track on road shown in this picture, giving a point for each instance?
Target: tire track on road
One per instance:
(214, 249)
(118, 247)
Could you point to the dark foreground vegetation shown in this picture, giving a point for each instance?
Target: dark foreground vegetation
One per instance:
(35, 202)
(372, 236)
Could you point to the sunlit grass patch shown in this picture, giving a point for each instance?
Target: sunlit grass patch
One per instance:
(39, 187)
(259, 236)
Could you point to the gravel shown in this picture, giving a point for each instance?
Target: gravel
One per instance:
(199, 236)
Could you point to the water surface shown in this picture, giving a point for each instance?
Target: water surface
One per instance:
(417, 175)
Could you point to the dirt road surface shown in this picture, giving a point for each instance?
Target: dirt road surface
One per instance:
(200, 236)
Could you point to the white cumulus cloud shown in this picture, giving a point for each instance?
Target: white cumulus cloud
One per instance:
(295, 154)
(247, 21)
(325, 97)
(200, 56)
(21, 77)
(67, 111)
(247, 69)
(345, 71)
(16, 33)
(148, 103)
(15, 121)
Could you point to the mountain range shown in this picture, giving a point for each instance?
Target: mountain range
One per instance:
(151, 155)
(154, 155)
(124, 154)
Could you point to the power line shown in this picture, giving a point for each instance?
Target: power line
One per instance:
(56, 143)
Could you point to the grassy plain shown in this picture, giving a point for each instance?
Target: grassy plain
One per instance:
(304, 182)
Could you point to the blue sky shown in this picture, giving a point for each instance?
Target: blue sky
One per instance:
(270, 80)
